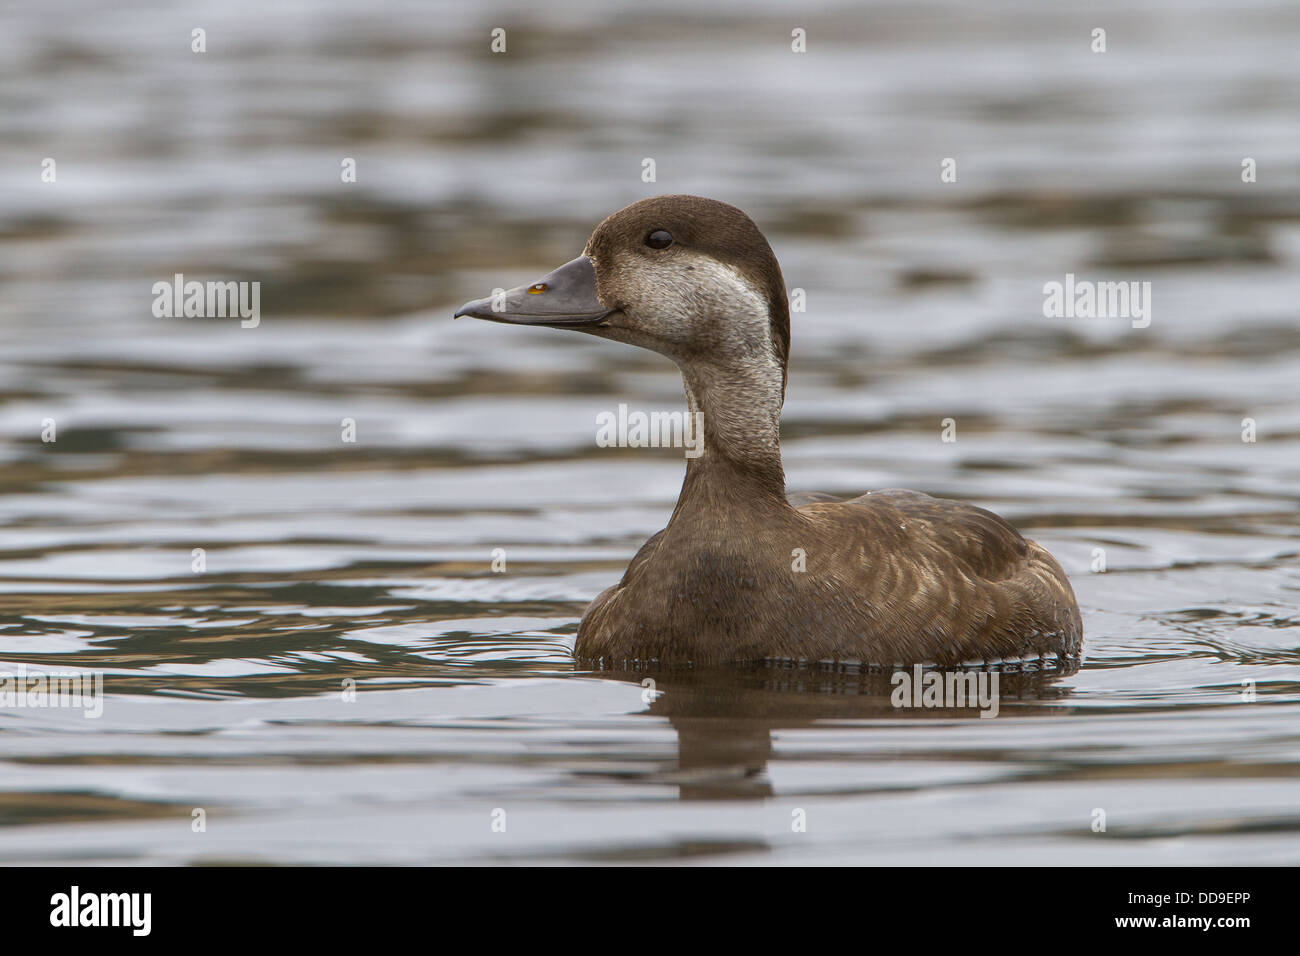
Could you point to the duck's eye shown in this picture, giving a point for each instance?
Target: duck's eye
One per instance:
(537, 288)
(659, 239)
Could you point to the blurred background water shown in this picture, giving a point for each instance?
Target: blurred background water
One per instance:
(329, 561)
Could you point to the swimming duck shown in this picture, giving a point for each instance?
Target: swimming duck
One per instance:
(742, 572)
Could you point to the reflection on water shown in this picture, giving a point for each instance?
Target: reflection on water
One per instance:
(725, 718)
(347, 680)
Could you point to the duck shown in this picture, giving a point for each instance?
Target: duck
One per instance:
(744, 572)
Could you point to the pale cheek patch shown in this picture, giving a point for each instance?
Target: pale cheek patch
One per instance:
(693, 298)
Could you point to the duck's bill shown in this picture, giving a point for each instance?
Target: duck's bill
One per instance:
(565, 298)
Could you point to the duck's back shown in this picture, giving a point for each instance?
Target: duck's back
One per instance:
(946, 582)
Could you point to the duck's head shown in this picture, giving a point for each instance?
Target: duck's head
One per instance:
(688, 277)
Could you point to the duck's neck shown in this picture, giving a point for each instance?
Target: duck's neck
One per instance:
(741, 414)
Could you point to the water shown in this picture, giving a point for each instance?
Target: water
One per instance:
(369, 562)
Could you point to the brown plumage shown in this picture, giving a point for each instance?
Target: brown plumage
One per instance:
(741, 573)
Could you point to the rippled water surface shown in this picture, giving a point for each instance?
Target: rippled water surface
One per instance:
(332, 562)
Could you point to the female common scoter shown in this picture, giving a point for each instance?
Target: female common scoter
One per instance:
(892, 577)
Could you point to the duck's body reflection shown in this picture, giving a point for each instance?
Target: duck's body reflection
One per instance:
(725, 717)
